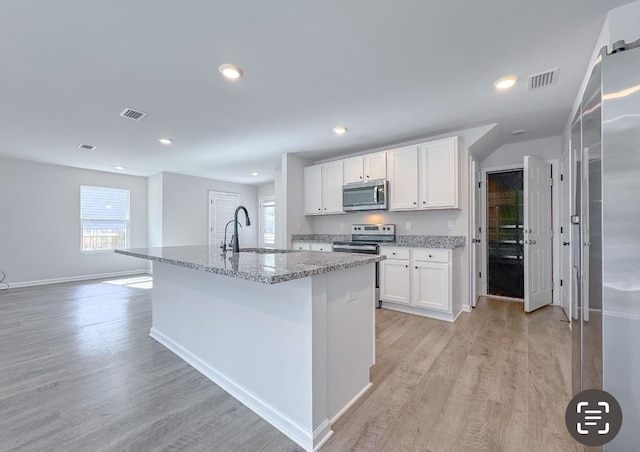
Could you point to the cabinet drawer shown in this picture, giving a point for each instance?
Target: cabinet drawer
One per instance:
(301, 246)
(394, 252)
(321, 247)
(431, 255)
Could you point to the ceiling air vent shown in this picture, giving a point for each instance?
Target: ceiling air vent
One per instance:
(135, 115)
(86, 147)
(543, 79)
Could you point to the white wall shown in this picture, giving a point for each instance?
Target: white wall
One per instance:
(185, 209)
(154, 209)
(266, 190)
(514, 153)
(293, 198)
(40, 230)
(280, 197)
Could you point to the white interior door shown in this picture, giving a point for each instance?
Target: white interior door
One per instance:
(222, 207)
(565, 230)
(475, 233)
(537, 237)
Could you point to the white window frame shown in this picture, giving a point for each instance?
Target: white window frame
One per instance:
(261, 204)
(127, 220)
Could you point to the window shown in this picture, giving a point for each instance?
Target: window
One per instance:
(104, 213)
(267, 222)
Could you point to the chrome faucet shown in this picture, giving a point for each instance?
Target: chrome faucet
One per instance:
(236, 243)
(224, 243)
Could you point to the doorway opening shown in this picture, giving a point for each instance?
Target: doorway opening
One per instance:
(505, 234)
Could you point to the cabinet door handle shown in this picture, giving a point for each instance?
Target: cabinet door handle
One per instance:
(430, 255)
(565, 243)
(414, 203)
(393, 254)
(325, 208)
(416, 268)
(406, 266)
(360, 177)
(319, 208)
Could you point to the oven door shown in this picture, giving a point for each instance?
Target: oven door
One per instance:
(365, 196)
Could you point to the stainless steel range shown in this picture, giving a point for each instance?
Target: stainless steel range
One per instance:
(366, 239)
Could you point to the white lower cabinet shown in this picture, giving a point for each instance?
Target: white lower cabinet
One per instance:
(418, 281)
(303, 246)
(321, 247)
(430, 288)
(394, 281)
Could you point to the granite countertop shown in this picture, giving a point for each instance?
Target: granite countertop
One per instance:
(429, 241)
(320, 238)
(410, 241)
(253, 264)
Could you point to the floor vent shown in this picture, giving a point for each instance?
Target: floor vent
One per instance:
(132, 114)
(86, 147)
(543, 79)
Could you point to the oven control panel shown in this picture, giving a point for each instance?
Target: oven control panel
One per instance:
(373, 229)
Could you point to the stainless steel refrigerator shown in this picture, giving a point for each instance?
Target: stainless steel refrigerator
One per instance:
(605, 237)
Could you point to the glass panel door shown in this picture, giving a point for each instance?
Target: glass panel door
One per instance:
(505, 241)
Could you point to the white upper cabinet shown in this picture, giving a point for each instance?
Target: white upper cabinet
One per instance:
(353, 170)
(313, 190)
(438, 162)
(323, 188)
(332, 177)
(375, 166)
(365, 168)
(403, 178)
(424, 176)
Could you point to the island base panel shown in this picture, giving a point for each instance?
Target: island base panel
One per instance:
(296, 353)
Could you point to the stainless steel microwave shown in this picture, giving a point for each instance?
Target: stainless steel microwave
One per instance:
(365, 196)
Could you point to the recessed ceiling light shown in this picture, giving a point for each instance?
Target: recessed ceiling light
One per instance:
(506, 82)
(119, 167)
(165, 140)
(518, 132)
(340, 130)
(230, 71)
(255, 174)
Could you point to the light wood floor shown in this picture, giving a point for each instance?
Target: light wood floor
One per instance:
(78, 372)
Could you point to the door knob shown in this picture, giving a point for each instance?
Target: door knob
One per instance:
(565, 243)
(532, 242)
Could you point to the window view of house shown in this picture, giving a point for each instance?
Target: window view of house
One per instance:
(105, 218)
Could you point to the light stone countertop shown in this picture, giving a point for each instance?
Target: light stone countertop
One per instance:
(252, 264)
(410, 241)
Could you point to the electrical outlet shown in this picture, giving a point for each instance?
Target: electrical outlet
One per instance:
(408, 225)
(451, 225)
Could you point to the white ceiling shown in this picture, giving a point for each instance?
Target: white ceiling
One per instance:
(390, 71)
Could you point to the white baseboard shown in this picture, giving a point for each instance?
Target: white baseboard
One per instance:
(447, 317)
(350, 404)
(297, 433)
(42, 282)
(466, 308)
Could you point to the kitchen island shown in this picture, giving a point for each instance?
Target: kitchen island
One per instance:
(290, 334)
